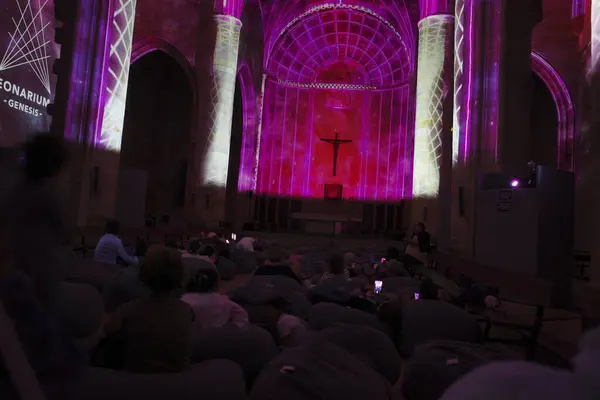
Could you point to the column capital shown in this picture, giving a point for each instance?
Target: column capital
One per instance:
(433, 7)
(229, 7)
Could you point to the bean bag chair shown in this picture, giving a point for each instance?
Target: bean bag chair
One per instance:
(267, 289)
(226, 268)
(429, 320)
(319, 370)
(124, 288)
(92, 273)
(325, 315)
(245, 261)
(214, 380)
(373, 347)
(251, 348)
(435, 366)
(402, 287)
(79, 309)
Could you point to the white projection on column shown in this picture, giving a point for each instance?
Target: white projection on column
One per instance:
(121, 38)
(433, 33)
(595, 58)
(459, 69)
(216, 157)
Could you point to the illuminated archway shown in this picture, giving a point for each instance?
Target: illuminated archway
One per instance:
(564, 108)
(344, 68)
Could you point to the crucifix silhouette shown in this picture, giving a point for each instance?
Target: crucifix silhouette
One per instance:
(336, 142)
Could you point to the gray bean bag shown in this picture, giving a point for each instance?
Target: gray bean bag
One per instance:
(326, 315)
(214, 380)
(92, 273)
(372, 346)
(434, 366)
(79, 309)
(245, 261)
(319, 370)
(251, 348)
(124, 288)
(264, 289)
(429, 320)
(226, 268)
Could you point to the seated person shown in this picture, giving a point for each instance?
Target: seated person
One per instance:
(208, 253)
(391, 265)
(110, 250)
(155, 331)
(193, 249)
(419, 246)
(276, 263)
(212, 310)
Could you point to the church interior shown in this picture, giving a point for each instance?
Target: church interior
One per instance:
(445, 144)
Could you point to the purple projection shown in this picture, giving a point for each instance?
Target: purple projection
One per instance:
(345, 69)
(564, 108)
(250, 131)
(122, 19)
(229, 7)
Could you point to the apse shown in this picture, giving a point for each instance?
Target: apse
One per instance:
(337, 72)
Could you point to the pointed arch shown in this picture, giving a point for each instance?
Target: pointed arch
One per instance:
(564, 107)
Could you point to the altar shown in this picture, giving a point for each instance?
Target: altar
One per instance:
(324, 224)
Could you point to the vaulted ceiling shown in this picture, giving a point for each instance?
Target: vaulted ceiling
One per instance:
(302, 35)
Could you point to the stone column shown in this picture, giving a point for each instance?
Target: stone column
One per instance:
(97, 107)
(214, 171)
(518, 19)
(434, 84)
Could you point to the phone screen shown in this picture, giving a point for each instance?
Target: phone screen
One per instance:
(417, 296)
(378, 287)
(233, 236)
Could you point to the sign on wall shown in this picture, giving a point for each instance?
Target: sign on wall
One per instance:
(27, 52)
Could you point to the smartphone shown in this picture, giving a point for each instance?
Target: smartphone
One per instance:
(417, 296)
(233, 237)
(378, 287)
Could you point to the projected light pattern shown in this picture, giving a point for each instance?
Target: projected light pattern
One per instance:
(249, 134)
(28, 45)
(334, 31)
(433, 38)
(579, 8)
(229, 7)
(433, 7)
(459, 87)
(595, 47)
(261, 106)
(564, 108)
(295, 162)
(216, 157)
(341, 68)
(117, 76)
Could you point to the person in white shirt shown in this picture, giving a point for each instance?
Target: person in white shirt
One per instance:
(110, 250)
(212, 310)
(246, 244)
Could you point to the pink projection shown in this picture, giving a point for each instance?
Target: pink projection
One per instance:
(339, 69)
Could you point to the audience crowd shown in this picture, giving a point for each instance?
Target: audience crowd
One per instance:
(307, 323)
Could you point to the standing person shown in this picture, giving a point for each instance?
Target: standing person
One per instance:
(110, 250)
(38, 235)
(419, 246)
